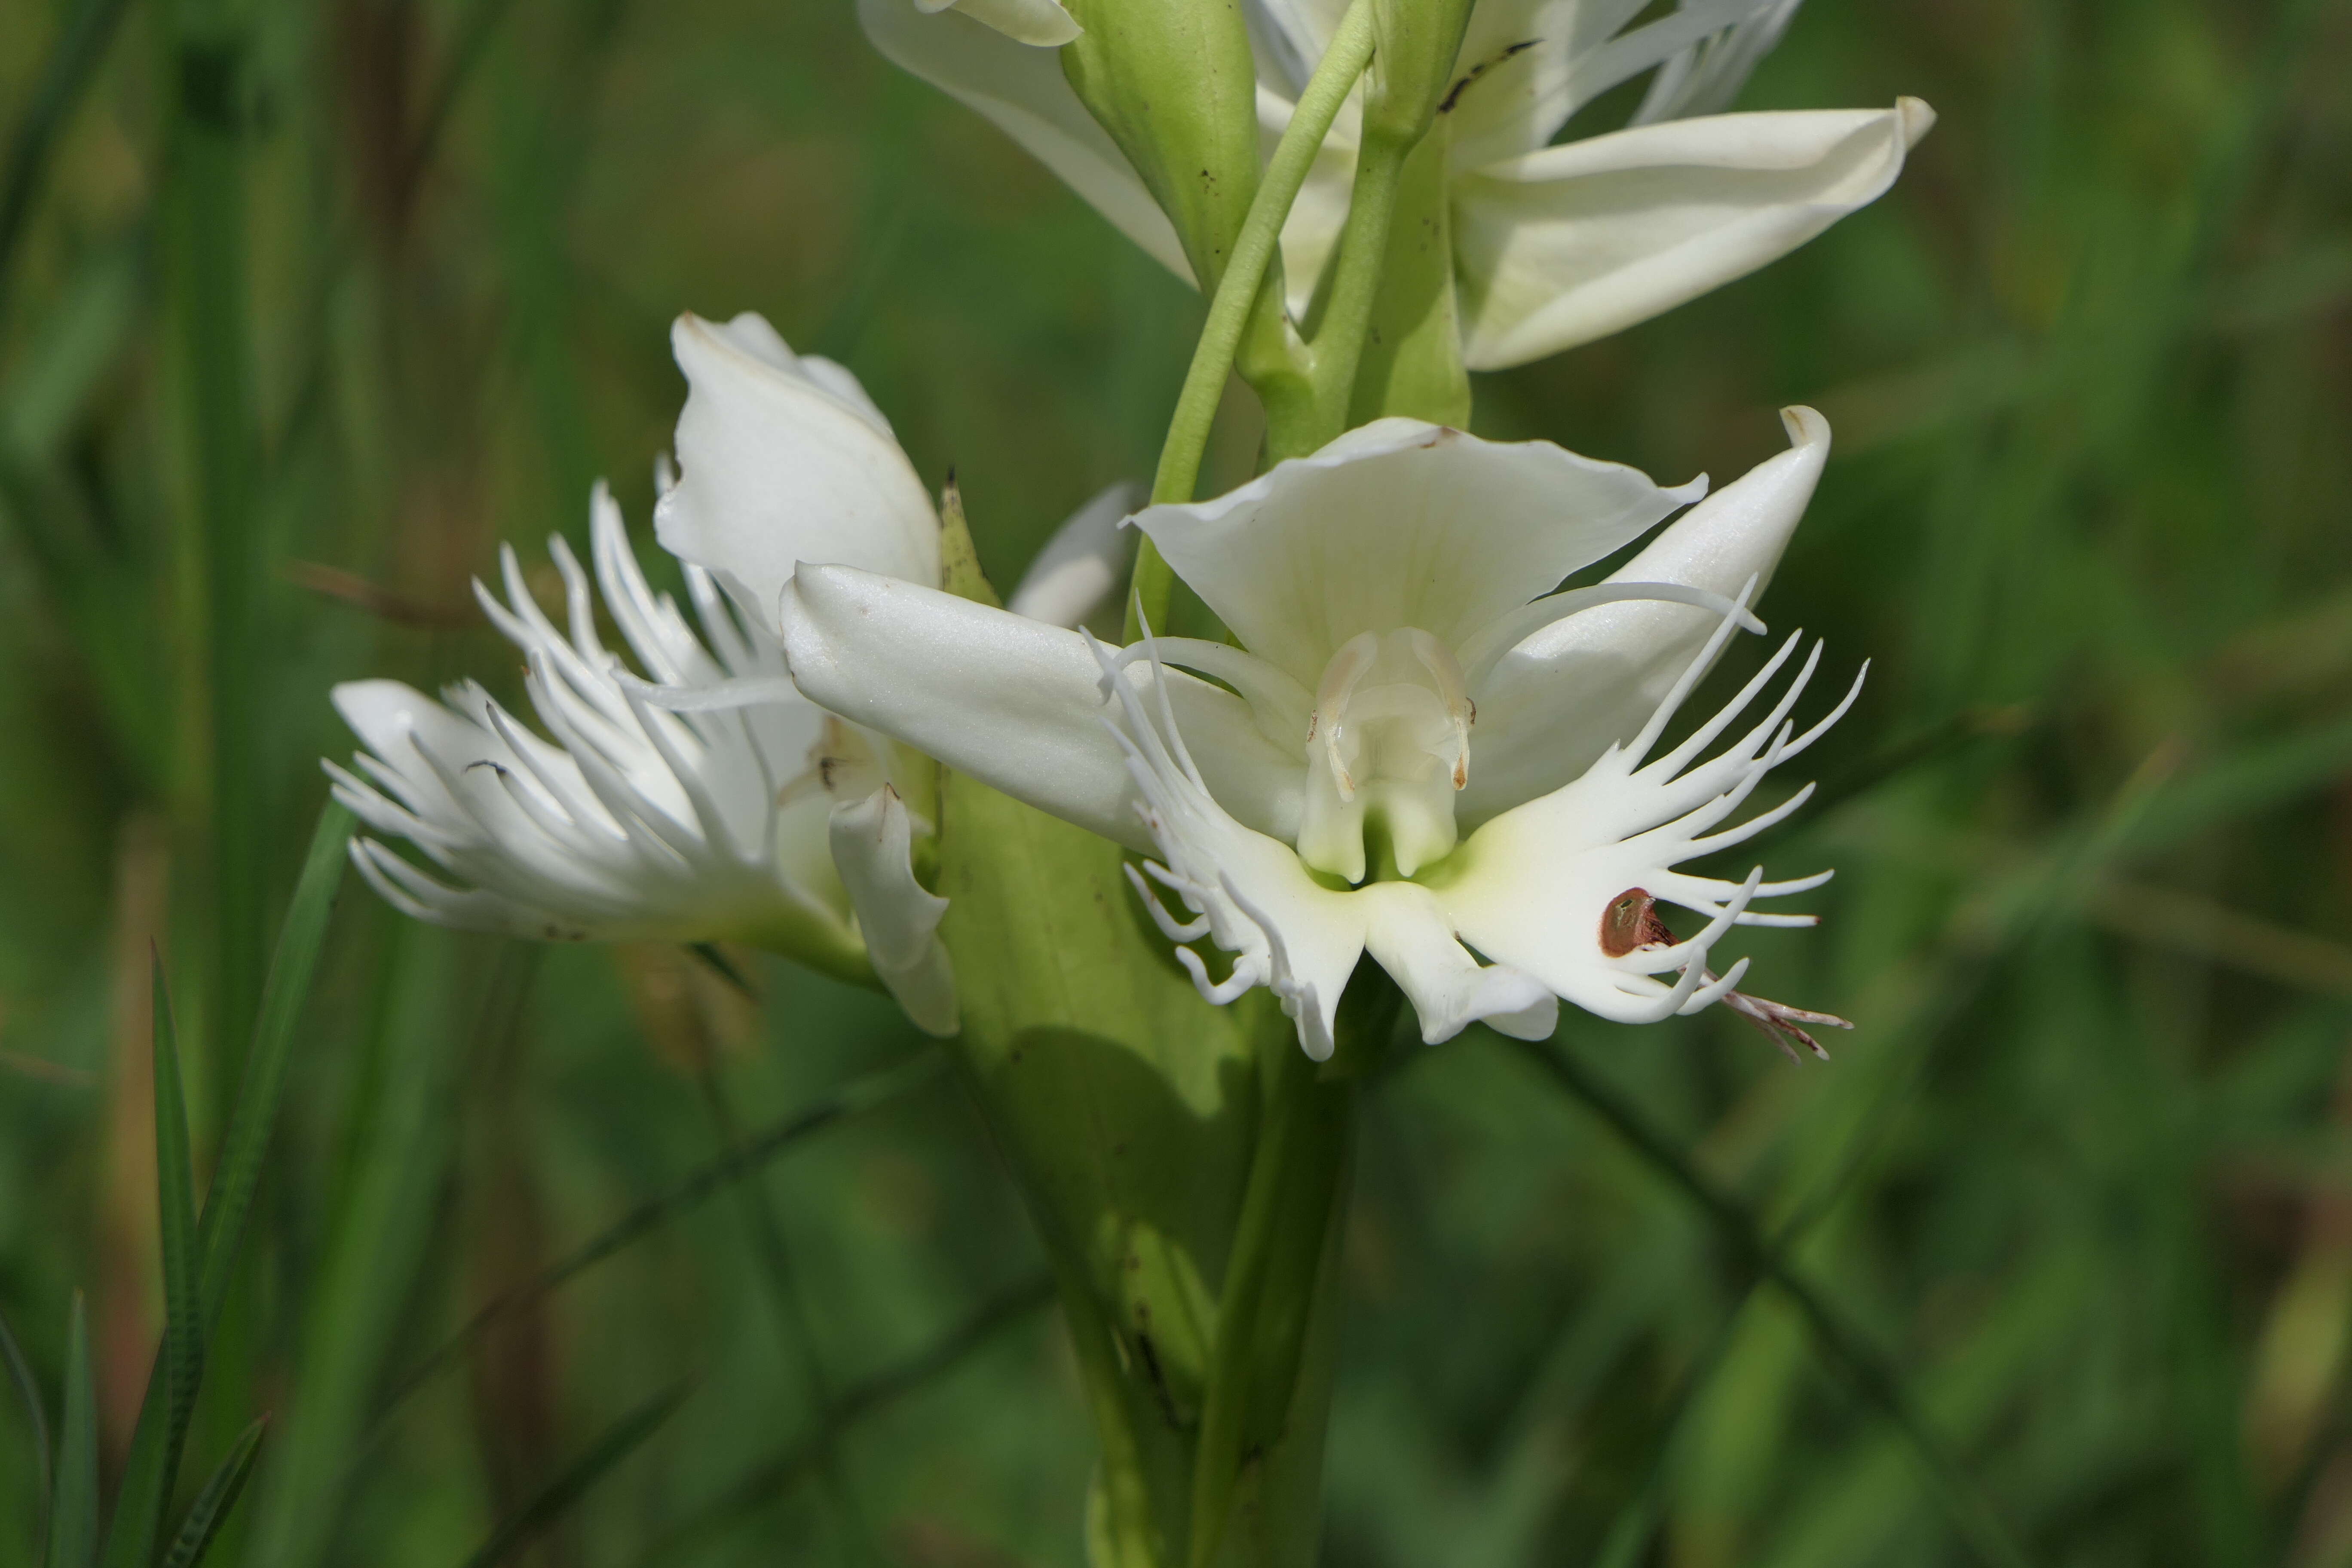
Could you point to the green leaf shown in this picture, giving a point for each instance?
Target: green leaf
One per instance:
(526, 1524)
(1840, 1340)
(212, 1503)
(139, 1512)
(153, 1463)
(73, 1507)
(759, 1486)
(399, 1134)
(28, 1389)
(72, 62)
(247, 1144)
(752, 1155)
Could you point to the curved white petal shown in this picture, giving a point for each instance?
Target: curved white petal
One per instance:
(1042, 22)
(1012, 702)
(1571, 243)
(781, 459)
(1022, 91)
(1076, 578)
(1400, 523)
(872, 847)
(1559, 698)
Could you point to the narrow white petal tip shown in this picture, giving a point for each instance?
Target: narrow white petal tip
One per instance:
(1806, 427)
(872, 842)
(1919, 118)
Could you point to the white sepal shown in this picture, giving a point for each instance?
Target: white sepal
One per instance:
(1562, 694)
(783, 458)
(1075, 579)
(1568, 244)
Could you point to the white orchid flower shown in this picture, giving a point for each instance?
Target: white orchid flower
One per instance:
(1416, 746)
(705, 799)
(1554, 246)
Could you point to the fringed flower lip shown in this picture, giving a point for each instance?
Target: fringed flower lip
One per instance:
(705, 798)
(1553, 900)
(624, 822)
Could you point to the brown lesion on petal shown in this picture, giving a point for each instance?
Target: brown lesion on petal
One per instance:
(1630, 922)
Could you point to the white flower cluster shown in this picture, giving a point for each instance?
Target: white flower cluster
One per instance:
(1416, 743)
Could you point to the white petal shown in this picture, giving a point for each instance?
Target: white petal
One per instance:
(1515, 78)
(873, 849)
(1076, 578)
(1397, 524)
(1023, 91)
(1566, 694)
(1408, 932)
(1042, 22)
(785, 462)
(1572, 243)
(1012, 702)
(1704, 78)
(1285, 931)
(632, 823)
(1532, 888)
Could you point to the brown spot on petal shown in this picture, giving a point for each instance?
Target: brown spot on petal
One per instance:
(1631, 922)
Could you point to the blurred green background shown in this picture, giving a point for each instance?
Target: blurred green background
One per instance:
(305, 308)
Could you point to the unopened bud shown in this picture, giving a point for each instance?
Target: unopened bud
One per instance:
(1174, 83)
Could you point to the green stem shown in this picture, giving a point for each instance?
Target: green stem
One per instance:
(1346, 320)
(1285, 1143)
(1236, 300)
(1129, 1534)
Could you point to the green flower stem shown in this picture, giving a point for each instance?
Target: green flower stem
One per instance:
(1237, 300)
(1273, 1278)
(1346, 320)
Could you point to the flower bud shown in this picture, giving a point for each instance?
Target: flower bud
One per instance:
(1174, 83)
(1414, 48)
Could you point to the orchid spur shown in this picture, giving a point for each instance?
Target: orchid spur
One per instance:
(705, 799)
(1417, 744)
(1553, 244)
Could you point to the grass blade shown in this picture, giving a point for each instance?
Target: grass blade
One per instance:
(73, 1507)
(769, 1478)
(247, 1144)
(212, 1503)
(525, 1525)
(399, 1126)
(147, 1489)
(742, 1160)
(1989, 1539)
(28, 1389)
(153, 1463)
(70, 67)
